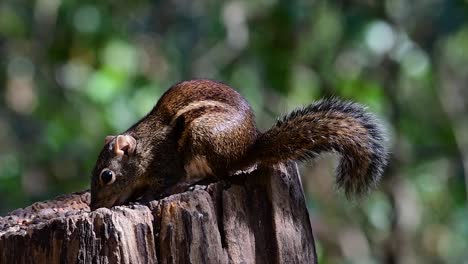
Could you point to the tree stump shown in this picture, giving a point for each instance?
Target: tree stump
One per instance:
(260, 219)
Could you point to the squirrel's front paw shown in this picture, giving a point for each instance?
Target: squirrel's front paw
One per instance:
(177, 188)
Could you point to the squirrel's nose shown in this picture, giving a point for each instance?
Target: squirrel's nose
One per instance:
(95, 203)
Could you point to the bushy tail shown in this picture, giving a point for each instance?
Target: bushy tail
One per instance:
(329, 125)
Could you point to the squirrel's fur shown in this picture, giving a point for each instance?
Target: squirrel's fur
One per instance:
(329, 125)
(203, 128)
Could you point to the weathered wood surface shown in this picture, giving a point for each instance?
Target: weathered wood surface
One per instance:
(260, 219)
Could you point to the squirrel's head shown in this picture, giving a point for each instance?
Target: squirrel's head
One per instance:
(118, 173)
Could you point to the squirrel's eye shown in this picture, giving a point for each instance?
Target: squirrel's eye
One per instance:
(107, 176)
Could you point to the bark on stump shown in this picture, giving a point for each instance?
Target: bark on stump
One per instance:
(263, 219)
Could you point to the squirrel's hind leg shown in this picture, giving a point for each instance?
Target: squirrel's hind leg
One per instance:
(211, 143)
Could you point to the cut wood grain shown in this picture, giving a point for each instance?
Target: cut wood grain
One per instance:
(261, 218)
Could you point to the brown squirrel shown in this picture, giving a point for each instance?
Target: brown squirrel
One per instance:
(203, 128)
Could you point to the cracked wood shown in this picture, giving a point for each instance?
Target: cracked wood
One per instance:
(259, 219)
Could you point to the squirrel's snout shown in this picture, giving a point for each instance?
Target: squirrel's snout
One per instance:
(99, 203)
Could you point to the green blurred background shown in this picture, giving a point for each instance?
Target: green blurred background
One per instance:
(72, 72)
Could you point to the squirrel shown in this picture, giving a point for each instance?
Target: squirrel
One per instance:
(200, 129)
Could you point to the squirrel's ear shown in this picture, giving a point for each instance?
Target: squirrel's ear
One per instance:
(108, 139)
(124, 144)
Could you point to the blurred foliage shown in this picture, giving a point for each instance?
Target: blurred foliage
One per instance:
(72, 72)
